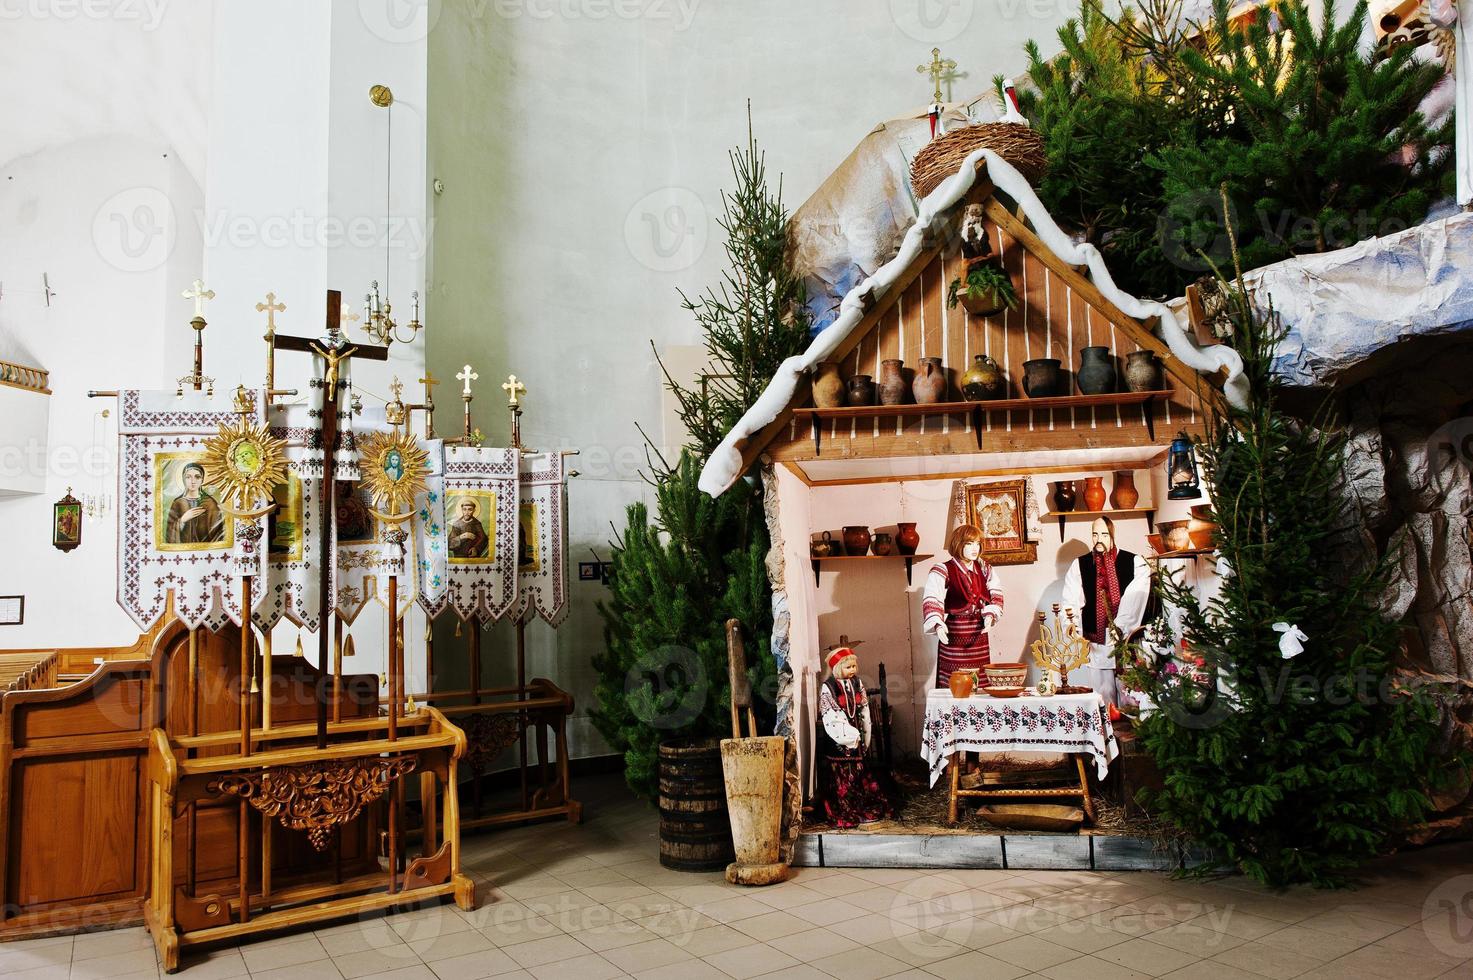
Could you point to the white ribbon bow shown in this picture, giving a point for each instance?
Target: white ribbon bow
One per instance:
(1291, 643)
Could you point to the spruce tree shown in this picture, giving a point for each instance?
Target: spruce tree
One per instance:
(1295, 770)
(681, 573)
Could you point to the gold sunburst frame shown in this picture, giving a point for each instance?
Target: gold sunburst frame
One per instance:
(244, 462)
(393, 467)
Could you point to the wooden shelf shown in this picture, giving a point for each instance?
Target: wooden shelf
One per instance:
(1148, 512)
(1145, 399)
(909, 560)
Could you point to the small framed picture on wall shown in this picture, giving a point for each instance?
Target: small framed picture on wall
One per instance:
(12, 610)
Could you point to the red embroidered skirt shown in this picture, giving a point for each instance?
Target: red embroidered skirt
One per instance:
(966, 647)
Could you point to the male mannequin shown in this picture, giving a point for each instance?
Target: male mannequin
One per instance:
(1109, 587)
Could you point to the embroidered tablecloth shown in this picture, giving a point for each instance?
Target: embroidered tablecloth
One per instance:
(1062, 723)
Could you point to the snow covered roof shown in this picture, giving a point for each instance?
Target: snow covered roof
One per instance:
(762, 421)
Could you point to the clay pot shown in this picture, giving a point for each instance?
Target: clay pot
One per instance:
(930, 383)
(861, 391)
(1124, 495)
(1142, 371)
(1041, 377)
(828, 387)
(883, 544)
(1094, 493)
(962, 683)
(907, 539)
(892, 382)
(984, 381)
(1065, 496)
(1096, 371)
(826, 547)
(1175, 535)
(856, 540)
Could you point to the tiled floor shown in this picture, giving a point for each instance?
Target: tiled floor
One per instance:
(592, 902)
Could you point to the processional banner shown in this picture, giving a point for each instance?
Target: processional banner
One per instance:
(468, 533)
(173, 532)
(542, 549)
(293, 543)
(360, 542)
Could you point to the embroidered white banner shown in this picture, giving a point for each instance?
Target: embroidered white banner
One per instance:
(468, 535)
(542, 545)
(173, 533)
(293, 539)
(359, 543)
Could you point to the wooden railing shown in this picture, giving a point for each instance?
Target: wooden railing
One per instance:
(26, 378)
(27, 671)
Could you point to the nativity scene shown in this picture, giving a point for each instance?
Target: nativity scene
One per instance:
(1039, 544)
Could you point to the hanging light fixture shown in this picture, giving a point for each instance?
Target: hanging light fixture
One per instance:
(1181, 470)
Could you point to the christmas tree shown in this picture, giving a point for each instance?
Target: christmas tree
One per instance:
(681, 573)
(1295, 766)
(1145, 115)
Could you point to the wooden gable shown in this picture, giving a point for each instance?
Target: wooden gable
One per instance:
(1060, 312)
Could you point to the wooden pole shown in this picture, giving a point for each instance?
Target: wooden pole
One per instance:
(192, 717)
(475, 651)
(329, 509)
(266, 680)
(245, 666)
(394, 679)
(522, 696)
(337, 667)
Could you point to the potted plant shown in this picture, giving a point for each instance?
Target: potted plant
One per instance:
(985, 290)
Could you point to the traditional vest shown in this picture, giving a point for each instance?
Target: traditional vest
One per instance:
(1124, 572)
(965, 591)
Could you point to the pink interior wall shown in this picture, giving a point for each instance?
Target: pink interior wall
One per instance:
(872, 601)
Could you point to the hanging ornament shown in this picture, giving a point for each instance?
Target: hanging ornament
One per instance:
(1291, 642)
(457, 627)
(298, 651)
(348, 649)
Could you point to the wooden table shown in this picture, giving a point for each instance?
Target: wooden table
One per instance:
(1076, 724)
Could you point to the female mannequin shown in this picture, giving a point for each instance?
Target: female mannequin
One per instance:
(963, 600)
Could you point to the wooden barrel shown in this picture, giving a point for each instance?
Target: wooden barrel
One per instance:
(695, 832)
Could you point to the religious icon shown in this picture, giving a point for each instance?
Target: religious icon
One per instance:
(529, 556)
(245, 455)
(188, 516)
(1000, 510)
(469, 541)
(284, 524)
(394, 465)
(66, 522)
(243, 462)
(354, 519)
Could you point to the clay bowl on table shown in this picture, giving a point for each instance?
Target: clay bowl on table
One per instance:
(1003, 692)
(1006, 674)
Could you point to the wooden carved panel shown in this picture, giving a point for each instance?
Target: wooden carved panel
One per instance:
(316, 796)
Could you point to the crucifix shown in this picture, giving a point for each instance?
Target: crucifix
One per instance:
(428, 405)
(514, 389)
(200, 295)
(334, 350)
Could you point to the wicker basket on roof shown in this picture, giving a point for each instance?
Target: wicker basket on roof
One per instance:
(943, 156)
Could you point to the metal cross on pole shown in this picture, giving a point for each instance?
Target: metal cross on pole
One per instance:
(334, 351)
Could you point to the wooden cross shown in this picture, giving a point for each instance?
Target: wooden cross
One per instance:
(467, 375)
(938, 69)
(334, 351)
(513, 388)
(270, 308)
(199, 294)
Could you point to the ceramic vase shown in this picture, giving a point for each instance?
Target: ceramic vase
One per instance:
(907, 539)
(861, 391)
(856, 540)
(961, 682)
(1065, 496)
(1041, 377)
(1142, 371)
(891, 383)
(985, 381)
(1096, 371)
(930, 383)
(828, 387)
(1094, 493)
(882, 544)
(1124, 495)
